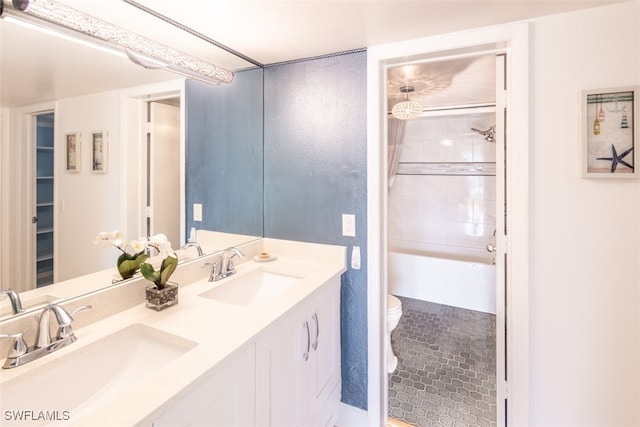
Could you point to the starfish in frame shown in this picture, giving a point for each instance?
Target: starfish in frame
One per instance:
(615, 158)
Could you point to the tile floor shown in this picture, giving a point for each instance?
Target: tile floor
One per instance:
(446, 366)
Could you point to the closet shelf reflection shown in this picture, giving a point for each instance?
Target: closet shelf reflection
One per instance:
(447, 168)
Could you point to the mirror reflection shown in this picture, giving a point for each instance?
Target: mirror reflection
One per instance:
(79, 158)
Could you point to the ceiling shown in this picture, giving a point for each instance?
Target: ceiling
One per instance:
(36, 67)
(455, 82)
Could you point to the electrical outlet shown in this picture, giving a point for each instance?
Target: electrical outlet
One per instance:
(349, 225)
(197, 212)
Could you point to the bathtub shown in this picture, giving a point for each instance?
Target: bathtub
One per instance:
(466, 282)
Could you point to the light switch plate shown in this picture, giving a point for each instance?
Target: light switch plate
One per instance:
(197, 212)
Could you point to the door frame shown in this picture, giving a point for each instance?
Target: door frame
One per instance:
(134, 104)
(18, 168)
(514, 39)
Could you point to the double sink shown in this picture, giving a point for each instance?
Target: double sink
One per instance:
(85, 378)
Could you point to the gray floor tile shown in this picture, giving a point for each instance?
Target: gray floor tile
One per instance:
(446, 366)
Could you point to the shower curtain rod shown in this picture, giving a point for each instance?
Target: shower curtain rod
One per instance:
(457, 109)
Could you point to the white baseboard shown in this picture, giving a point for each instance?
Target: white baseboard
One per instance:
(350, 416)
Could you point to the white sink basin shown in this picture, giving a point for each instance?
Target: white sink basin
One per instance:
(85, 379)
(252, 288)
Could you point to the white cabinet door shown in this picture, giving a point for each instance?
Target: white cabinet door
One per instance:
(279, 354)
(298, 364)
(225, 399)
(323, 367)
(289, 377)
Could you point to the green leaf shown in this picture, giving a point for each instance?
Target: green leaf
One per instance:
(150, 274)
(128, 264)
(169, 265)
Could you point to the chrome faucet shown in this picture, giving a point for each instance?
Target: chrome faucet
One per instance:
(195, 245)
(223, 266)
(43, 335)
(227, 268)
(20, 353)
(16, 304)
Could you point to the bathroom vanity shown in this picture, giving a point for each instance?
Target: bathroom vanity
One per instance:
(261, 347)
(286, 375)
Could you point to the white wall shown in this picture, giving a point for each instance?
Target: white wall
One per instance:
(444, 214)
(585, 269)
(91, 201)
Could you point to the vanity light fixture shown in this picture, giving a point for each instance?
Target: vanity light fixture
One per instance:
(407, 109)
(71, 22)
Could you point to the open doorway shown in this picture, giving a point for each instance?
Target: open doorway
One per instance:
(441, 222)
(163, 169)
(512, 401)
(155, 161)
(44, 201)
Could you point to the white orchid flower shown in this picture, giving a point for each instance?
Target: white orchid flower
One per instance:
(110, 238)
(164, 249)
(158, 239)
(103, 238)
(138, 245)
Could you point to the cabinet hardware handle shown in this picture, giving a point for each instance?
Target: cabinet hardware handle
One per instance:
(317, 324)
(305, 355)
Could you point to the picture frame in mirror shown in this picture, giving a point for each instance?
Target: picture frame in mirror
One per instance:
(99, 152)
(73, 147)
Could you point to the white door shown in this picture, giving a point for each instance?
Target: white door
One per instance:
(164, 172)
(500, 241)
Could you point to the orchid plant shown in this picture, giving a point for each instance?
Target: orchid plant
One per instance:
(132, 256)
(169, 261)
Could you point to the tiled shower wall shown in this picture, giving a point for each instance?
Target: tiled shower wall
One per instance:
(444, 214)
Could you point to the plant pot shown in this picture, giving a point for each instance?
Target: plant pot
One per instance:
(159, 299)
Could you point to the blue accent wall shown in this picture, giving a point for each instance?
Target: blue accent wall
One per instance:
(224, 154)
(315, 148)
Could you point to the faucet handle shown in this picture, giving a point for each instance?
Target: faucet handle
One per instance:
(65, 330)
(18, 347)
(214, 269)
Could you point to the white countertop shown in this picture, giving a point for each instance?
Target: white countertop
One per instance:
(218, 329)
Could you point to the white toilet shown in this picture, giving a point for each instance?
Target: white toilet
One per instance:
(394, 312)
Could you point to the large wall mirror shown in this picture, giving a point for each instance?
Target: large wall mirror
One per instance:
(76, 157)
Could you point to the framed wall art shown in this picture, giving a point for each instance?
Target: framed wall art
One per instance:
(73, 143)
(99, 150)
(609, 133)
